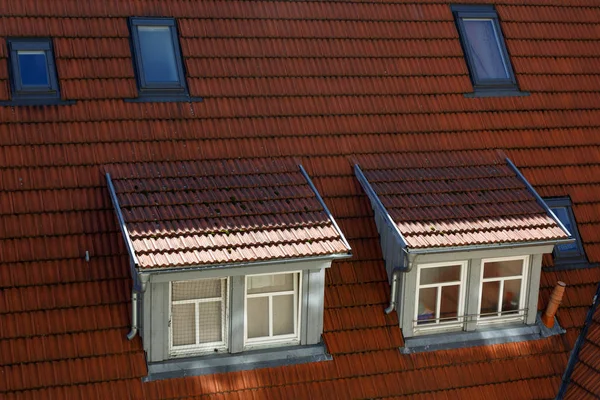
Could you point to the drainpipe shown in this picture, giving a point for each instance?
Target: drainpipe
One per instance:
(394, 290)
(134, 314)
(555, 299)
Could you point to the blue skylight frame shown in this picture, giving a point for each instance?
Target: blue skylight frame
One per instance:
(158, 91)
(567, 255)
(32, 94)
(480, 84)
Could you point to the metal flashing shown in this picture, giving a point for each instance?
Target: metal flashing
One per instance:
(377, 203)
(115, 202)
(539, 199)
(329, 215)
(249, 360)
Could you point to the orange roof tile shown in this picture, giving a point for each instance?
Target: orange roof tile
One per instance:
(319, 82)
(457, 199)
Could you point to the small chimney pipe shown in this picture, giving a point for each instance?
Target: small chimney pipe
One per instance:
(555, 299)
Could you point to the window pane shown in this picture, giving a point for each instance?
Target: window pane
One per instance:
(485, 49)
(427, 304)
(158, 54)
(270, 283)
(489, 298)
(511, 295)
(563, 215)
(503, 268)
(283, 314)
(197, 289)
(441, 274)
(184, 326)
(209, 322)
(33, 68)
(449, 303)
(258, 317)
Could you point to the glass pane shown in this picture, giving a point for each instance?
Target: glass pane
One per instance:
(511, 295)
(485, 49)
(441, 274)
(197, 289)
(33, 68)
(270, 283)
(449, 303)
(489, 298)
(563, 215)
(283, 314)
(427, 304)
(158, 54)
(184, 326)
(503, 268)
(209, 321)
(258, 317)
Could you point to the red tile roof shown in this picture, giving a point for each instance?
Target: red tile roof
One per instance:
(319, 81)
(207, 213)
(457, 199)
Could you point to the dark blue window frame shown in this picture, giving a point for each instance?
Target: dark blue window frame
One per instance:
(158, 91)
(568, 258)
(30, 93)
(496, 86)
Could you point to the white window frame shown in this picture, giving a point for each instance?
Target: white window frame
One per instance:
(521, 311)
(201, 348)
(437, 324)
(291, 339)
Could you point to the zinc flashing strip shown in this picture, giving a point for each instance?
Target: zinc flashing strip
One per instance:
(115, 201)
(377, 203)
(539, 199)
(329, 215)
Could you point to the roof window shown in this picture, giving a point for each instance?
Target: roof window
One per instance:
(33, 78)
(485, 51)
(157, 60)
(568, 254)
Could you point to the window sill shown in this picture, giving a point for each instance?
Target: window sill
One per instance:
(36, 102)
(484, 336)
(496, 93)
(165, 99)
(267, 358)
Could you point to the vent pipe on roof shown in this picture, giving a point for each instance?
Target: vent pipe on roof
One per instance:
(555, 299)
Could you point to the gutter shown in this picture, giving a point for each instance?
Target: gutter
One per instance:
(574, 357)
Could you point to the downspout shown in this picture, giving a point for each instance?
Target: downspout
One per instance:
(394, 290)
(134, 314)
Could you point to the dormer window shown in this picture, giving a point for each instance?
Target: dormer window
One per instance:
(463, 237)
(228, 259)
(568, 255)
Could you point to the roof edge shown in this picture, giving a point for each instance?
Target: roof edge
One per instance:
(122, 226)
(329, 215)
(538, 198)
(329, 257)
(574, 356)
(490, 246)
(376, 203)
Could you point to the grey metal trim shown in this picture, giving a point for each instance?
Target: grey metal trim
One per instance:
(115, 201)
(329, 215)
(267, 358)
(482, 337)
(493, 246)
(159, 271)
(376, 202)
(134, 315)
(538, 198)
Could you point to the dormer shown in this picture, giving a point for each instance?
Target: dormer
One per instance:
(228, 261)
(462, 236)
